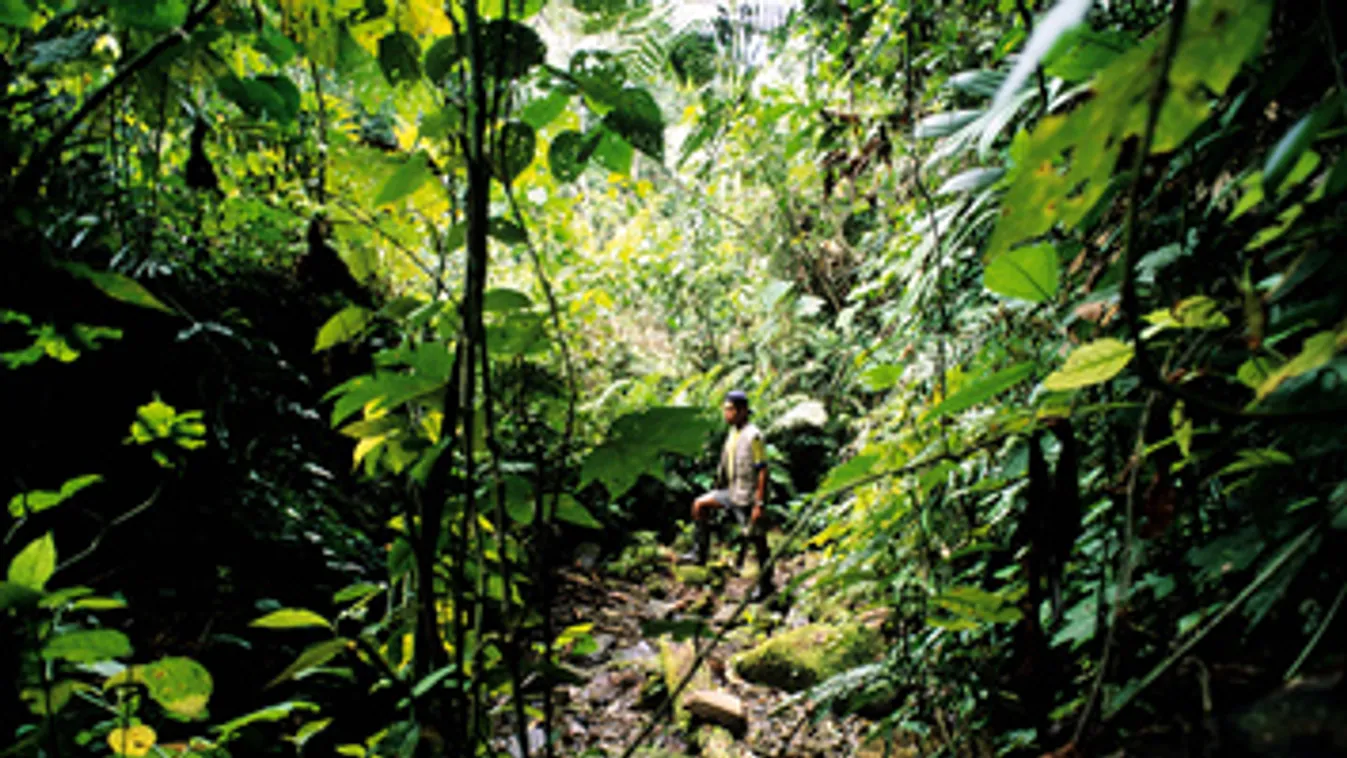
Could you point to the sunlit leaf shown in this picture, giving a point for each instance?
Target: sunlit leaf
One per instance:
(982, 390)
(40, 500)
(290, 618)
(408, 178)
(180, 684)
(347, 324)
(35, 564)
(1092, 363)
(1027, 273)
(273, 713)
(118, 287)
(847, 474)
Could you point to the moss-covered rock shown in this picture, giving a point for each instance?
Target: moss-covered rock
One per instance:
(675, 661)
(693, 576)
(803, 657)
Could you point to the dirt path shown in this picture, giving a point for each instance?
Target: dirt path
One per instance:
(632, 603)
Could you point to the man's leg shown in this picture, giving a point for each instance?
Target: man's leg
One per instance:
(703, 508)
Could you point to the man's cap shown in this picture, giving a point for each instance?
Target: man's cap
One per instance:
(738, 397)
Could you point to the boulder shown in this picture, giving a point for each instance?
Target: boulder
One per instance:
(718, 707)
(803, 657)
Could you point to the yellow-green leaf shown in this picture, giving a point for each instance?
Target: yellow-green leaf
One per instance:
(35, 564)
(1316, 351)
(118, 287)
(346, 325)
(1090, 364)
(290, 618)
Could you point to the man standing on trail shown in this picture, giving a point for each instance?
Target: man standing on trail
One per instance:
(740, 487)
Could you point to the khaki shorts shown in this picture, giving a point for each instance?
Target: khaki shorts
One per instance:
(742, 513)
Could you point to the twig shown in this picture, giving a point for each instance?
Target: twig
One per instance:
(122, 519)
(25, 183)
(1318, 633)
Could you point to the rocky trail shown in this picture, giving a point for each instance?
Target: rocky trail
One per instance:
(634, 626)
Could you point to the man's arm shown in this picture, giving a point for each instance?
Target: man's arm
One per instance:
(760, 465)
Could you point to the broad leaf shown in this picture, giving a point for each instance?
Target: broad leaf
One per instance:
(407, 179)
(637, 119)
(88, 646)
(1027, 273)
(1093, 363)
(273, 713)
(982, 390)
(572, 512)
(400, 57)
(347, 324)
(179, 684)
(35, 564)
(569, 153)
(441, 58)
(510, 49)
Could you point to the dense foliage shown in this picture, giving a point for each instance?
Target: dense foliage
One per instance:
(335, 326)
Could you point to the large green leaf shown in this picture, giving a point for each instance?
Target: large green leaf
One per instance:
(441, 58)
(569, 153)
(637, 119)
(1093, 363)
(637, 443)
(612, 151)
(35, 564)
(88, 646)
(345, 325)
(400, 57)
(15, 13)
(510, 49)
(407, 179)
(1027, 273)
(180, 684)
(544, 110)
(982, 390)
(272, 95)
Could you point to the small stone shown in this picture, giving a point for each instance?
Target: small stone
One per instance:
(718, 707)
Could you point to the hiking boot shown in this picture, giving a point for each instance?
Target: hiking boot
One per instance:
(701, 546)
